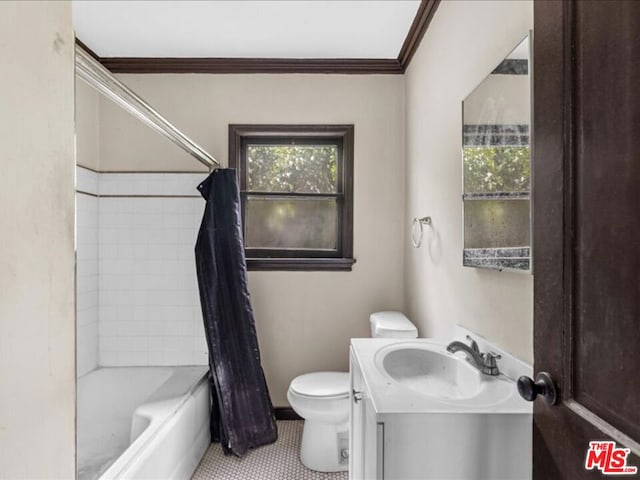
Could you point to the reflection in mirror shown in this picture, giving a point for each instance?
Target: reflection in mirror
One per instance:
(497, 168)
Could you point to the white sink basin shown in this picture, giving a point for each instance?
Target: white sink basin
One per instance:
(433, 373)
(430, 370)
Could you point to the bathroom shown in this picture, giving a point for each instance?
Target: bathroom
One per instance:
(105, 228)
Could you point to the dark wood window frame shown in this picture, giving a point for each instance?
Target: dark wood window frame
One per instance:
(240, 135)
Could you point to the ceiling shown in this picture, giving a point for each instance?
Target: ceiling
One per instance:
(334, 29)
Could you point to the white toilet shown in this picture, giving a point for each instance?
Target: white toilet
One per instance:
(322, 399)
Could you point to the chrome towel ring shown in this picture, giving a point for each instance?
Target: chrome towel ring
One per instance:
(417, 233)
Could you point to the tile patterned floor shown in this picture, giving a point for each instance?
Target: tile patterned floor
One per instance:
(278, 461)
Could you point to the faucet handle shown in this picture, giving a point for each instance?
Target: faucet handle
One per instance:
(474, 344)
(490, 366)
(491, 357)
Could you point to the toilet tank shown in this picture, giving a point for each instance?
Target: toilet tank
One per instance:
(391, 325)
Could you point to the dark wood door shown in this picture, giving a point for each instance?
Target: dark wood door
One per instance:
(586, 211)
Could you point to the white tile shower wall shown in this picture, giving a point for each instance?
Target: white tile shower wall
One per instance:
(163, 184)
(86, 180)
(149, 308)
(87, 271)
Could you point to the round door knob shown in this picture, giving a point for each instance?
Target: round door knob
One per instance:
(544, 386)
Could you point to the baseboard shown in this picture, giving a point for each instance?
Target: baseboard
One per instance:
(286, 413)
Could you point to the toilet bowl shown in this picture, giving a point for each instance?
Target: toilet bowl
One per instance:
(322, 400)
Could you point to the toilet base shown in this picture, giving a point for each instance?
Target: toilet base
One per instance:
(325, 446)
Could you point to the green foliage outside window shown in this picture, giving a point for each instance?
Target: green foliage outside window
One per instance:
(496, 169)
(292, 168)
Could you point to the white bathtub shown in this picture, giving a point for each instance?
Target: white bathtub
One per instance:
(142, 422)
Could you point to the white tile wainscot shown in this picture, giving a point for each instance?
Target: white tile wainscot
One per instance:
(148, 307)
(86, 271)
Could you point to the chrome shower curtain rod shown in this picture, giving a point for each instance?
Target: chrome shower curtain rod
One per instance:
(92, 72)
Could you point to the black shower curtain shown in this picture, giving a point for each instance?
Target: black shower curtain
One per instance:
(241, 415)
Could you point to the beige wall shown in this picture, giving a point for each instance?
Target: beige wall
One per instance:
(465, 41)
(304, 319)
(37, 377)
(87, 153)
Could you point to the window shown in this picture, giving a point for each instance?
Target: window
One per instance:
(296, 188)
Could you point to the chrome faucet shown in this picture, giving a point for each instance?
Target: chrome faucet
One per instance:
(485, 362)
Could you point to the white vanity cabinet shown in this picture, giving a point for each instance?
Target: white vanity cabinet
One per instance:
(395, 435)
(366, 432)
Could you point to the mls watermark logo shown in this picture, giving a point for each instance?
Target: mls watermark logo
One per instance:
(608, 459)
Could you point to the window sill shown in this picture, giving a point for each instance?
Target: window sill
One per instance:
(300, 264)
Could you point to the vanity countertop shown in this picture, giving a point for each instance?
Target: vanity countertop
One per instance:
(388, 396)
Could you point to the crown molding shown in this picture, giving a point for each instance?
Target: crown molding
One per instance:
(252, 65)
(86, 48)
(424, 15)
(353, 66)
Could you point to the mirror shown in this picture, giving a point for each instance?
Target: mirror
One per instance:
(497, 168)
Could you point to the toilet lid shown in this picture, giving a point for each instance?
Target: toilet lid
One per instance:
(321, 384)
